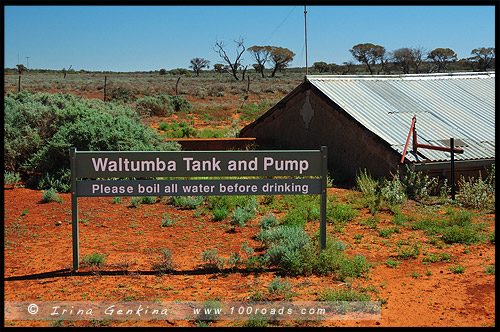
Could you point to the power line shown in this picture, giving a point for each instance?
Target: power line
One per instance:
(279, 25)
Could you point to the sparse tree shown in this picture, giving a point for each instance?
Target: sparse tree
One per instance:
(220, 68)
(418, 57)
(321, 66)
(368, 54)
(233, 65)
(197, 64)
(260, 54)
(348, 65)
(484, 57)
(441, 57)
(339, 69)
(404, 58)
(21, 68)
(280, 58)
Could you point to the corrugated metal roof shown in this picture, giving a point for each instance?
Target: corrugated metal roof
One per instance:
(458, 105)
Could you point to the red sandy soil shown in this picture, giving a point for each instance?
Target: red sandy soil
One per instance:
(38, 258)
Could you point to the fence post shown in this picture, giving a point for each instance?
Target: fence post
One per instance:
(74, 211)
(452, 162)
(324, 174)
(105, 77)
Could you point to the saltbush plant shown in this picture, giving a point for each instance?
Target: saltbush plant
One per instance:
(220, 213)
(51, 195)
(477, 193)
(165, 261)
(40, 128)
(268, 221)
(242, 214)
(11, 178)
(187, 202)
(417, 185)
(95, 258)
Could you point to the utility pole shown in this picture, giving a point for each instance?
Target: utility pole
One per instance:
(305, 28)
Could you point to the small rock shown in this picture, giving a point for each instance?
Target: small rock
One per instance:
(58, 223)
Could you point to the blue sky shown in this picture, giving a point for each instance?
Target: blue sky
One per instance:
(143, 38)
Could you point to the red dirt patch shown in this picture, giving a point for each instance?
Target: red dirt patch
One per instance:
(38, 256)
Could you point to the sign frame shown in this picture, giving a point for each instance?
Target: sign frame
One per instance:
(259, 160)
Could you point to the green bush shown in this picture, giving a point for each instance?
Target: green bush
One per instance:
(477, 193)
(11, 178)
(167, 220)
(417, 185)
(280, 287)
(301, 210)
(180, 104)
(284, 244)
(40, 128)
(242, 214)
(340, 213)
(220, 213)
(332, 261)
(268, 221)
(159, 105)
(50, 195)
(165, 261)
(148, 200)
(188, 202)
(212, 259)
(135, 201)
(95, 258)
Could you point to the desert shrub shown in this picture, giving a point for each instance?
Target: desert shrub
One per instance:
(122, 94)
(370, 189)
(458, 234)
(340, 213)
(246, 211)
(167, 220)
(116, 200)
(240, 216)
(344, 295)
(251, 112)
(280, 287)
(212, 259)
(50, 195)
(332, 261)
(165, 261)
(148, 200)
(268, 221)
(393, 190)
(477, 193)
(230, 202)
(417, 185)
(366, 183)
(180, 104)
(40, 129)
(164, 126)
(220, 213)
(284, 244)
(95, 258)
(159, 105)
(135, 201)
(188, 202)
(11, 178)
(301, 210)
